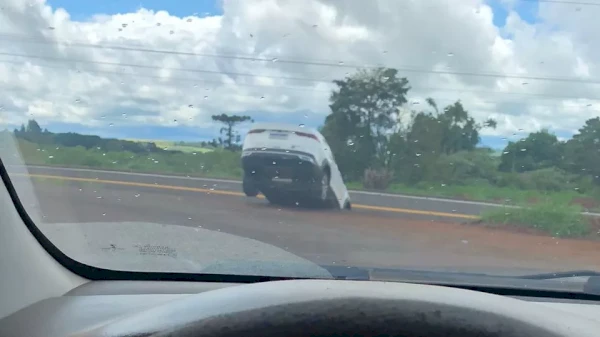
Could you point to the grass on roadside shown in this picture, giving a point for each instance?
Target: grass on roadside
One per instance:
(556, 219)
(215, 164)
(479, 192)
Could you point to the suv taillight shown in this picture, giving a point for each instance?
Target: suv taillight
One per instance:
(309, 135)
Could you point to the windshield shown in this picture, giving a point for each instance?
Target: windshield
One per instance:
(293, 138)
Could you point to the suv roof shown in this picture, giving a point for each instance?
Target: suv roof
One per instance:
(283, 126)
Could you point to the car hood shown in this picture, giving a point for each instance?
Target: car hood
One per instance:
(152, 247)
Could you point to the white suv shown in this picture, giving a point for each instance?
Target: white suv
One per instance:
(289, 163)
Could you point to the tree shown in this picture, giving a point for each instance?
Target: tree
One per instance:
(429, 135)
(364, 111)
(582, 152)
(33, 127)
(228, 131)
(538, 151)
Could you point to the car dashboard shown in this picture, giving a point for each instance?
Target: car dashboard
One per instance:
(296, 307)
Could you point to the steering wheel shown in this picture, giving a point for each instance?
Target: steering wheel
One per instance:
(305, 308)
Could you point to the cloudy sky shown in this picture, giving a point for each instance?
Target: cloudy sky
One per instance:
(159, 69)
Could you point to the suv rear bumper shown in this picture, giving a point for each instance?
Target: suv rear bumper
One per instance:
(277, 168)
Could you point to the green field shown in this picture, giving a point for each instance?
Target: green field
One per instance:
(174, 146)
(212, 163)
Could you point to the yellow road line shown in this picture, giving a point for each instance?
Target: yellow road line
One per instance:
(221, 192)
(415, 211)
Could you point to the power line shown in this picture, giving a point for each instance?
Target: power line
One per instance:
(438, 72)
(26, 39)
(141, 66)
(411, 105)
(412, 102)
(196, 81)
(342, 64)
(564, 2)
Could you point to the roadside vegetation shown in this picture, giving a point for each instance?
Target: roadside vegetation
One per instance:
(382, 140)
(556, 219)
(187, 147)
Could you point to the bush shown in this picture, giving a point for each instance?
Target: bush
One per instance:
(556, 219)
(459, 167)
(549, 179)
(377, 179)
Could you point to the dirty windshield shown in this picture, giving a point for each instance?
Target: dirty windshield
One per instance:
(299, 138)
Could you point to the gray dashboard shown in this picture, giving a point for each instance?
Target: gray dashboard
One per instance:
(98, 304)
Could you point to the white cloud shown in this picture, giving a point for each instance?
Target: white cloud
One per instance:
(278, 57)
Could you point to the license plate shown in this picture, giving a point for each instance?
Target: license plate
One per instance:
(278, 135)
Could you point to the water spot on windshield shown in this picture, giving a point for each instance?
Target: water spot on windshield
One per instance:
(301, 125)
(274, 59)
(205, 97)
(450, 54)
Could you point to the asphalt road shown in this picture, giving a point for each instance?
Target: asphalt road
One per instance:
(418, 207)
(381, 231)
